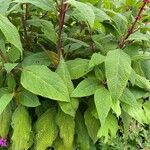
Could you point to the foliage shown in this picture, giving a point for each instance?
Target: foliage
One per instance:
(74, 74)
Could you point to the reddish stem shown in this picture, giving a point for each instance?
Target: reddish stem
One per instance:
(131, 29)
(62, 12)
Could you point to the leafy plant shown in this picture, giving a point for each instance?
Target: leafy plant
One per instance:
(74, 74)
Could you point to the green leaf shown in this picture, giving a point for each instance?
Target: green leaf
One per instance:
(110, 128)
(4, 5)
(46, 130)
(136, 112)
(9, 66)
(10, 32)
(69, 107)
(116, 107)
(28, 99)
(21, 124)
(146, 107)
(5, 100)
(142, 82)
(96, 59)
(77, 67)
(66, 126)
(85, 11)
(128, 98)
(82, 137)
(103, 103)
(47, 28)
(118, 70)
(40, 58)
(42, 81)
(47, 5)
(5, 121)
(86, 87)
(92, 125)
(138, 36)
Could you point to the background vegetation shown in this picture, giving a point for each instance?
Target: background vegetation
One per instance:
(74, 75)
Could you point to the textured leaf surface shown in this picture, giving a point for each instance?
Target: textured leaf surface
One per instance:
(110, 128)
(5, 100)
(7, 27)
(77, 67)
(66, 125)
(21, 124)
(28, 99)
(118, 70)
(5, 121)
(86, 87)
(42, 81)
(69, 107)
(86, 11)
(46, 130)
(103, 103)
(92, 125)
(96, 59)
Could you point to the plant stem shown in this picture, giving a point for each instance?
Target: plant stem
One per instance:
(24, 18)
(62, 12)
(131, 29)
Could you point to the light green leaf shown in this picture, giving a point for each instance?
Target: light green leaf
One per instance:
(103, 103)
(116, 107)
(4, 5)
(40, 58)
(118, 70)
(85, 10)
(5, 100)
(86, 87)
(9, 66)
(7, 27)
(142, 82)
(47, 28)
(92, 125)
(28, 99)
(47, 5)
(21, 124)
(77, 67)
(42, 81)
(146, 107)
(110, 128)
(46, 130)
(69, 107)
(5, 121)
(138, 36)
(66, 125)
(135, 111)
(82, 136)
(128, 98)
(96, 59)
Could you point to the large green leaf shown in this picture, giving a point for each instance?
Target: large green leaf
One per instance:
(92, 125)
(47, 5)
(42, 81)
(46, 130)
(5, 121)
(110, 128)
(118, 70)
(82, 137)
(69, 107)
(21, 124)
(86, 87)
(5, 100)
(4, 5)
(66, 125)
(10, 32)
(103, 103)
(86, 11)
(77, 67)
(28, 99)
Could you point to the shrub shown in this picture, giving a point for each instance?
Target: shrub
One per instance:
(74, 74)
